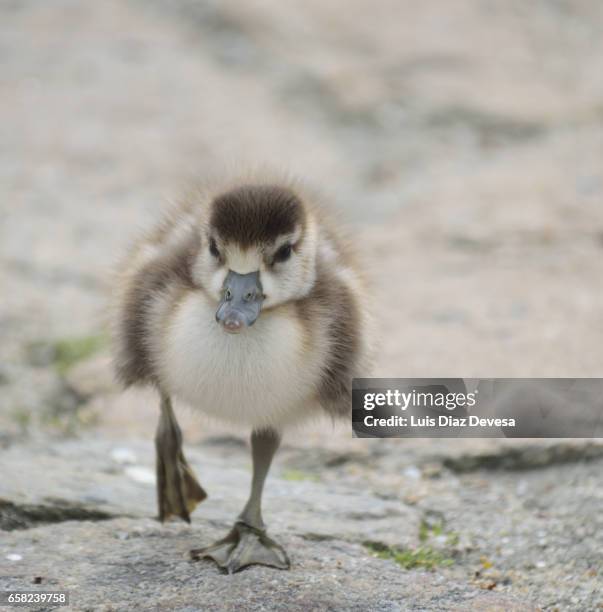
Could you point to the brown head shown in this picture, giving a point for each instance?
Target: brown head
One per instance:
(259, 251)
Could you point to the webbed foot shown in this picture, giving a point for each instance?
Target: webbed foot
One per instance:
(178, 491)
(243, 546)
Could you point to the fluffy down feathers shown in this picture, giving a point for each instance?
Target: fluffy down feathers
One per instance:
(309, 340)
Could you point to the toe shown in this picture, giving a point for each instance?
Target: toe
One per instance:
(220, 551)
(178, 490)
(256, 548)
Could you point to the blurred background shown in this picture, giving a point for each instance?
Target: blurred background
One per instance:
(461, 141)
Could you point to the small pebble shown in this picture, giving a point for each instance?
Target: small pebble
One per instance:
(140, 474)
(123, 456)
(412, 472)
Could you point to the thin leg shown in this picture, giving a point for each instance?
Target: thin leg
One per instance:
(263, 447)
(178, 491)
(247, 542)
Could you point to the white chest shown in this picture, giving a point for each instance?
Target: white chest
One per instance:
(266, 375)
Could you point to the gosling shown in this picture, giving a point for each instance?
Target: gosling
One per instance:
(245, 303)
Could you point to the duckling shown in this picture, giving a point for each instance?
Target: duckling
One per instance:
(246, 304)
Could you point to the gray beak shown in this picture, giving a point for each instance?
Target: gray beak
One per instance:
(241, 302)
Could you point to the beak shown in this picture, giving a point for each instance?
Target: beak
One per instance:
(241, 302)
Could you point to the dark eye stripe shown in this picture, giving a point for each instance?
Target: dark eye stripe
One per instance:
(283, 253)
(213, 249)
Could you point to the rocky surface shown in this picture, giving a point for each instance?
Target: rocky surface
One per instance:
(135, 565)
(533, 536)
(462, 142)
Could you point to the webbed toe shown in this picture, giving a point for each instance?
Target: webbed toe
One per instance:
(243, 546)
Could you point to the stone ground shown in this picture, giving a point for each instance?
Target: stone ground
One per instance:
(463, 144)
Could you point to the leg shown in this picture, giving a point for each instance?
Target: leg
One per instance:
(247, 542)
(178, 491)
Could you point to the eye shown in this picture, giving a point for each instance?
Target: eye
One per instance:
(283, 253)
(213, 249)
